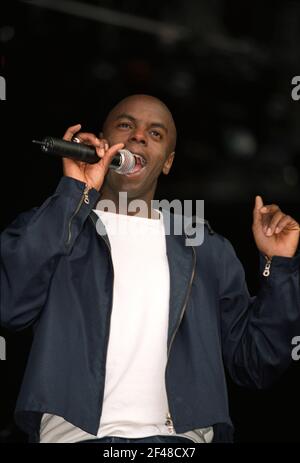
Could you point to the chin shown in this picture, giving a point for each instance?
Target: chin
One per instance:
(123, 183)
(133, 191)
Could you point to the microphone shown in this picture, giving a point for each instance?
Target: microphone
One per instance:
(122, 163)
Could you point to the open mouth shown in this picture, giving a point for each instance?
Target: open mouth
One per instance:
(140, 163)
(140, 159)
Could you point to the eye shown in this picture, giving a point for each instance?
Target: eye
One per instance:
(156, 134)
(124, 125)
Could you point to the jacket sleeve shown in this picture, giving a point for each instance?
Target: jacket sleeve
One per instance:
(32, 246)
(257, 332)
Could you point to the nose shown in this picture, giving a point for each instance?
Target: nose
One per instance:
(138, 136)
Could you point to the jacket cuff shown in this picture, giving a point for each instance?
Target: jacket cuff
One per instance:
(281, 264)
(73, 188)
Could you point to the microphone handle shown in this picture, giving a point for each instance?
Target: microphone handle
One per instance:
(62, 148)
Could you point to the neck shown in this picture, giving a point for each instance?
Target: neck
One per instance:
(140, 206)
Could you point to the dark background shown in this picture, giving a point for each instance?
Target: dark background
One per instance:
(224, 67)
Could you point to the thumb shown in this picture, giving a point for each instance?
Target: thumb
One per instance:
(112, 151)
(256, 212)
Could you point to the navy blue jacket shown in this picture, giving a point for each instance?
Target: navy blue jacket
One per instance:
(57, 274)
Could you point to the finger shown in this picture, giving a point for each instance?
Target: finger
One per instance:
(257, 207)
(101, 149)
(267, 213)
(70, 132)
(101, 137)
(258, 202)
(88, 139)
(287, 223)
(273, 222)
(106, 144)
(270, 209)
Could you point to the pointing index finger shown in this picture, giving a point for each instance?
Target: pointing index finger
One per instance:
(258, 202)
(257, 208)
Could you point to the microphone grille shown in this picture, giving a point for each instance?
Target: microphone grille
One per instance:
(127, 162)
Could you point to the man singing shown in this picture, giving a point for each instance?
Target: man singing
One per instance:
(132, 331)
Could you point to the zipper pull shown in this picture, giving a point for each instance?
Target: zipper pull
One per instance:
(169, 423)
(86, 195)
(266, 271)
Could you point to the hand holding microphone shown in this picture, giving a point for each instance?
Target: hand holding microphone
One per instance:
(91, 173)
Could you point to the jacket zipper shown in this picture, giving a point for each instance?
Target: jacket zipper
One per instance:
(169, 421)
(267, 268)
(84, 198)
(111, 305)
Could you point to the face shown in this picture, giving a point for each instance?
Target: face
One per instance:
(146, 128)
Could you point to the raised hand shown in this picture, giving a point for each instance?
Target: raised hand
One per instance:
(91, 174)
(275, 233)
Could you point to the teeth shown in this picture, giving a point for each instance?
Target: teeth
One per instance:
(143, 161)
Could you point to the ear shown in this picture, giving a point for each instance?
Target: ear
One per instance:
(168, 163)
